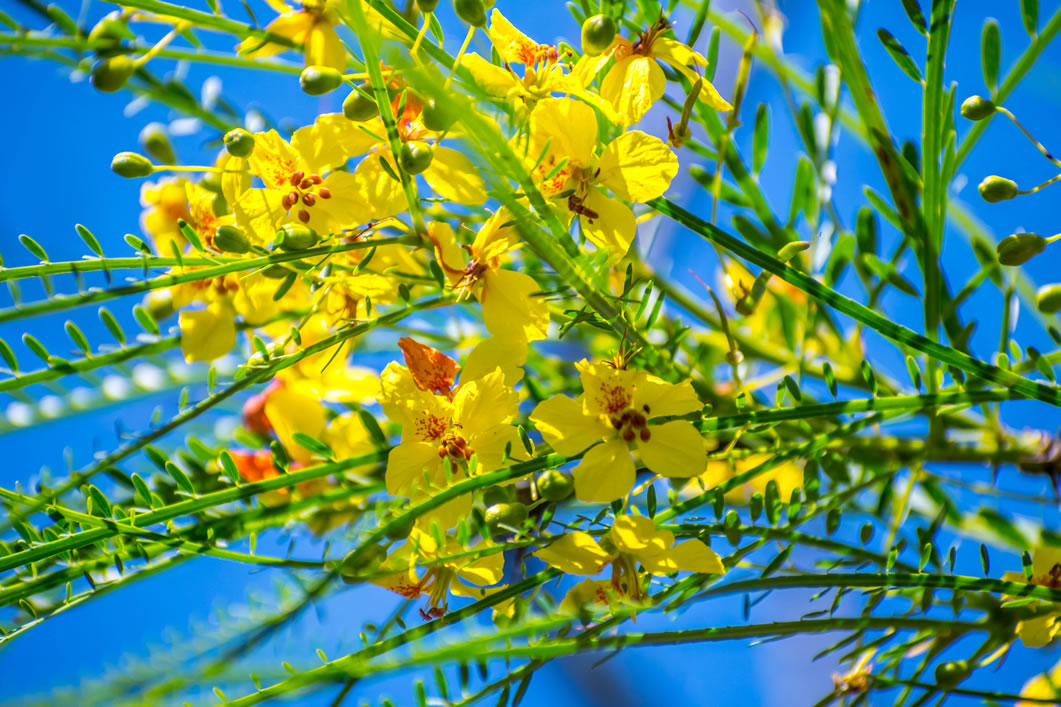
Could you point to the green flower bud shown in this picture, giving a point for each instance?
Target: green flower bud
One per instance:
(951, 673)
(994, 189)
(977, 108)
(510, 514)
(597, 34)
(231, 240)
(362, 561)
(159, 303)
(295, 236)
(111, 27)
(155, 141)
(427, 6)
(471, 11)
(437, 118)
(497, 494)
(1019, 248)
(318, 80)
(401, 532)
(415, 156)
(110, 74)
(1048, 300)
(358, 108)
(131, 165)
(239, 142)
(555, 485)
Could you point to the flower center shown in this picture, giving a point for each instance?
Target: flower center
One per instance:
(454, 446)
(305, 189)
(632, 424)
(438, 578)
(1051, 579)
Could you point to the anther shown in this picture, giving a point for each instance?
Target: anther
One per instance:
(296, 178)
(309, 199)
(316, 178)
(628, 435)
(303, 216)
(645, 408)
(645, 434)
(324, 193)
(305, 184)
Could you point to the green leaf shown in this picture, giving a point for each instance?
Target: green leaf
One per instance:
(228, 465)
(284, 286)
(830, 377)
(189, 233)
(888, 273)
(900, 55)
(180, 478)
(866, 230)
(9, 356)
(146, 320)
(100, 505)
(772, 502)
(1029, 12)
(142, 491)
(373, 428)
(870, 377)
(78, 337)
(651, 502)
(138, 244)
(761, 137)
(313, 445)
(1002, 527)
(112, 324)
(913, 11)
(776, 563)
(804, 192)
(793, 389)
(915, 371)
(712, 54)
(882, 207)
(990, 53)
(985, 561)
(33, 247)
(36, 347)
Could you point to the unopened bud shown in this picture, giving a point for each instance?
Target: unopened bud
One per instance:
(598, 32)
(112, 27)
(155, 141)
(1048, 299)
(159, 303)
(295, 236)
(230, 239)
(1019, 248)
(318, 80)
(951, 673)
(437, 118)
(977, 108)
(110, 74)
(994, 189)
(358, 108)
(555, 485)
(509, 514)
(427, 6)
(471, 12)
(239, 142)
(131, 165)
(415, 156)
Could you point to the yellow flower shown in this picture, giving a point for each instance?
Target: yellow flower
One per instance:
(313, 27)
(543, 74)
(442, 427)
(209, 333)
(1045, 686)
(616, 407)
(165, 202)
(635, 167)
(466, 576)
(787, 475)
(510, 308)
(632, 540)
(1046, 572)
(635, 82)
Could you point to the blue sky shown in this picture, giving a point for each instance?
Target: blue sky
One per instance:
(62, 135)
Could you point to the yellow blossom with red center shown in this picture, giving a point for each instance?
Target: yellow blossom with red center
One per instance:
(635, 167)
(1046, 572)
(617, 407)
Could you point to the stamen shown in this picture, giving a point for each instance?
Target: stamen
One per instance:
(309, 199)
(324, 193)
(303, 216)
(296, 178)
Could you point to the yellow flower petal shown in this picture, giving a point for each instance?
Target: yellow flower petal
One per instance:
(208, 334)
(487, 570)
(323, 46)
(614, 226)
(512, 45)
(491, 78)
(571, 127)
(494, 352)
(484, 402)
(674, 449)
(291, 410)
(637, 167)
(1044, 562)
(638, 535)
(260, 212)
(1038, 631)
(346, 207)
(682, 58)
(663, 398)
(382, 193)
(490, 444)
(347, 436)
(293, 25)
(575, 553)
(274, 160)
(407, 466)
(593, 592)
(607, 391)
(565, 426)
(605, 474)
(495, 237)
(451, 257)
(455, 178)
(510, 308)
(330, 142)
(688, 556)
(632, 86)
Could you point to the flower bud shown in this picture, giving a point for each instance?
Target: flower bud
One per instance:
(497, 494)
(415, 156)
(1019, 248)
(159, 303)
(471, 11)
(295, 236)
(436, 118)
(977, 108)
(400, 531)
(361, 560)
(555, 485)
(230, 239)
(597, 34)
(318, 80)
(510, 514)
(358, 108)
(131, 165)
(1048, 300)
(427, 6)
(951, 673)
(110, 74)
(239, 142)
(112, 27)
(994, 189)
(155, 141)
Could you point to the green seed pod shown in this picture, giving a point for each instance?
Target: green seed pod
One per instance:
(1048, 300)
(156, 143)
(510, 514)
(239, 142)
(437, 118)
(110, 74)
(159, 303)
(555, 485)
(362, 562)
(951, 673)
(497, 494)
(358, 108)
(977, 108)
(131, 165)
(295, 236)
(231, 240)
(597, 34)
(318, 80)
(427, 6)
(401, 532)
(1019, 248)
(471, 11)
(994, 189)
(415, 156)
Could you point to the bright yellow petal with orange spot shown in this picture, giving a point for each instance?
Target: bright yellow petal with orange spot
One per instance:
(613, 225)
(575, 553)
(565, 426)
(674, 449)
(632, 86)
(274, 160)
(637, 167)
(455, 178)
(608, 390)
(513, 307)
(605, 474)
